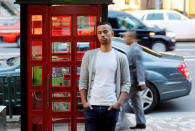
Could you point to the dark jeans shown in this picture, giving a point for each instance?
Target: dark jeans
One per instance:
(100, 119)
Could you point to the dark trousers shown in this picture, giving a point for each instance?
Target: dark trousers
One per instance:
(100, 119)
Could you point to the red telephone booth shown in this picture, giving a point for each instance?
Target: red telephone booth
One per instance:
(54, 36)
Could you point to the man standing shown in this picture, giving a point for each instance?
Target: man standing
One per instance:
(137, 74)
(104, 82)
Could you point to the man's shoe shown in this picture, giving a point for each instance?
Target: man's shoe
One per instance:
(139, 126)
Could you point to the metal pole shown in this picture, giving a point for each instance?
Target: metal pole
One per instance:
(4, 91)
(9, 97)
(157, 4)
(184, 7)
(23, 66)
(104, 13)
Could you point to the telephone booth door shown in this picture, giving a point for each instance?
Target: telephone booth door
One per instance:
(58, 36)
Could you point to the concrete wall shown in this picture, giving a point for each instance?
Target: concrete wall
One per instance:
(191, 8)
(179, 6)
(147, 4)
(121, 5)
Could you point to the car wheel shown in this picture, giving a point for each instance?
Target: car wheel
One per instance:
(149, 98)
(18, 42)
(159, 46)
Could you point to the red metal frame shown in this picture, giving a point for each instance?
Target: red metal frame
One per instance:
(46, 114)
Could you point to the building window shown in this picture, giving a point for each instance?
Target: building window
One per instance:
(126, 2)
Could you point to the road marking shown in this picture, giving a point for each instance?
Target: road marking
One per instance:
(5, 54)
(185, 50)
(189, 56)
(189, 59)
(186, 45)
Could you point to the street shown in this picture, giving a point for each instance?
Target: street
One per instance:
(169, 113)
(9, 50)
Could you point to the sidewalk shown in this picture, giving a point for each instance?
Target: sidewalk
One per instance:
(13, 124)
(163, 123)
(154, 122)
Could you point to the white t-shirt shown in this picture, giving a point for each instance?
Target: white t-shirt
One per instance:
(103, 90)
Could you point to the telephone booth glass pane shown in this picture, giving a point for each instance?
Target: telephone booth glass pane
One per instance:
(60, 106)
(36, 75)
(61, 124)
(86, 25)
(37, 100)
(78, 75)
(60, 101)
(78, 70)
(61, 25)
(37, 123)
(80, 127)
(61, 51)
(36, 24)
(79, 106)
(82, 47)
(61, 94)
(77, 82)
(36, 50)
(61, 76)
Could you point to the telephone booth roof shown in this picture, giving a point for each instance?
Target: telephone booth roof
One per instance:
(64, 1)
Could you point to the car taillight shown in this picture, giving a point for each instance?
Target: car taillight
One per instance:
(184, 70)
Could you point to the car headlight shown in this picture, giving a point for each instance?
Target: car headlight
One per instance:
(170, 34)
(152, 33)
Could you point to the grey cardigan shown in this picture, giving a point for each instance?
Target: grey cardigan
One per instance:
(87, 73)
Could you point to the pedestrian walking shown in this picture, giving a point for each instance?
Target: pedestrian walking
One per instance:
(137, 74)
(104, 82)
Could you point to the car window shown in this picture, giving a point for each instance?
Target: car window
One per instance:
(174, 16)
(129, 23)
(142, 18)
(155, 16)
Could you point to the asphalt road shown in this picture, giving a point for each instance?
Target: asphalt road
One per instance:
(9, 50)
(183, 105)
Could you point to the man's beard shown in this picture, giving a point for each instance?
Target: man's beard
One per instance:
(106, 42)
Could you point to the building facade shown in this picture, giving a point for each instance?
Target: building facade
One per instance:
(183, 6)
